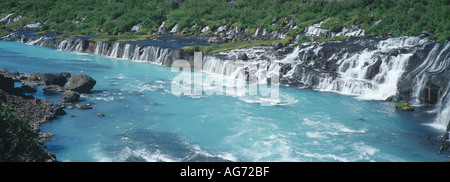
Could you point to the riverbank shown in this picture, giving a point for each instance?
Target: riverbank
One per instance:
(22, 105)
(36, 112)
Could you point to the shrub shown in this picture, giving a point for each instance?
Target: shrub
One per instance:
(18, 141)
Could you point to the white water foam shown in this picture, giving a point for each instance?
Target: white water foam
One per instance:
(143, 153)
(353, 70)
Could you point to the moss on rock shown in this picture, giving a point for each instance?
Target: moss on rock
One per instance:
(404, 106)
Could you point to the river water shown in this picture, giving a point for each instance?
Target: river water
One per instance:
(146, 120)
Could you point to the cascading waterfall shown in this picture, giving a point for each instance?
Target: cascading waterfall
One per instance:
(443, 110)
(371, 71)
(98, 47)
(353, 71)
(63, 44)
(126, 51)
(35, 41)
(136, 53)
(434, 63)
(115, 50)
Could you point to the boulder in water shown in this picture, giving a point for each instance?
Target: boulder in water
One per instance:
(54, 79)
(70, 96)
(373, 70)
(242, 56)
(392, 98)
(80, 83)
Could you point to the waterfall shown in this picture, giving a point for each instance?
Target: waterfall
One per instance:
(105, 46)
(35, 41)
(443, 110)
(98, 47)
(257, 70)
(115, 51)
(315, 30)
(434, 63)
(136, 53)
(350, 31)
(79, 45)
(174, 29)
(353, 70)
(126, 51)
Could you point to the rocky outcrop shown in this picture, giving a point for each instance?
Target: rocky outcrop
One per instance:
(36, 110)
(6, 84)
(70, 96)
(81, 83)
(54, 79)
(39, 111)
(52, 89)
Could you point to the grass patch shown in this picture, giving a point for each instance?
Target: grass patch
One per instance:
(404, 106)
(337, 38)
(215, 48)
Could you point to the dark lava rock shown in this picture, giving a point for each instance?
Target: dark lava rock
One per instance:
(54, 79)
(83, 106)
(28, 89)
(242, 56)
(70, 96)
(392, 98)
(80, 83)
(53, 88)
(373, 70)
(65, 74)
(6, 84)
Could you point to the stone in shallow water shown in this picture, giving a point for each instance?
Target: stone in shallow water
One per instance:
(70, 96)
(81, 83)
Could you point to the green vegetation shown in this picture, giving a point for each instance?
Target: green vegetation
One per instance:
(116, 17)
(18, 141)
(404, 106)
(214, 48)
